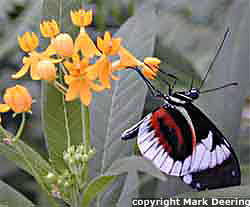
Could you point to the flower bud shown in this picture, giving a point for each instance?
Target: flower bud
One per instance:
(28, 42)
(66, 184)
(46, 70)
(18, 99)
(78, 156)
(64, 45)
(51, 177)
(49, 28)
(71, 161)
(66, 156)
(85, 158)
(92, 152)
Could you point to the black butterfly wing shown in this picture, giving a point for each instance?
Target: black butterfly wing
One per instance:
(182, 141)
(214, 163)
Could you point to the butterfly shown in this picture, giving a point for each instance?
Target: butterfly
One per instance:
(181, 141)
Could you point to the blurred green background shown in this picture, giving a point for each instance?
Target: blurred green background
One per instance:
(18, 16)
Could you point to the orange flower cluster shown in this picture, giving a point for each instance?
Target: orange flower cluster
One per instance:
(72, 58)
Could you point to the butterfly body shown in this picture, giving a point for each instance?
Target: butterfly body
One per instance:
(181, 141)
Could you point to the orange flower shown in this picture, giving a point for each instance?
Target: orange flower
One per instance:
(46, 70)
(79, 83)
(49, 28)
(103, 67)
(81, 17)
(151, 67)
(18, 99)
(29, 43)
(109, 46)
(64, 45)
(126, 60)
(83, 42)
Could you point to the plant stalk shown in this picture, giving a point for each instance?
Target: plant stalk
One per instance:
(86, 136)
(21, 128)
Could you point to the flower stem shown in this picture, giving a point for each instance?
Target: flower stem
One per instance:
(60, 87)
(21, 128)
(86, 120)
(86, 135)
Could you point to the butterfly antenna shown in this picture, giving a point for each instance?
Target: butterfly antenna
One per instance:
(218, 88)
(155, 92)
(215, 57)
(192, 82)
(163, 72)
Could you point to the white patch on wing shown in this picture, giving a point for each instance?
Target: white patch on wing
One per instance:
(159, 148)
(145, 138)
(225, 150)
(176, 168)
(188, 179)
(186, 165)
(219, 154)
(213, 159)
(144, 146)
(208, 142)
(150, 153)
(160, 157)
(205, 160)
(196, 159)
(167, 165)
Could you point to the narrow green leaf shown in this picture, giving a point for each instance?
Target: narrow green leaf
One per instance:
(135, 163)
(96, 186)
(10, 197)
(62, 122)
(234, 192)
(27, 159)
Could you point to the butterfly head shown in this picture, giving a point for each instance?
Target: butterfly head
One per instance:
(185, 96)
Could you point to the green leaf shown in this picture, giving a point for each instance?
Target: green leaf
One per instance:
(27, 159)
(10, 197)
(238, 192)
(62, 122)
(96, 186)
(130, 189)
(135, 163)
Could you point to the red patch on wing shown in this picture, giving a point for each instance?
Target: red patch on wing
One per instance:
(161, 113)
